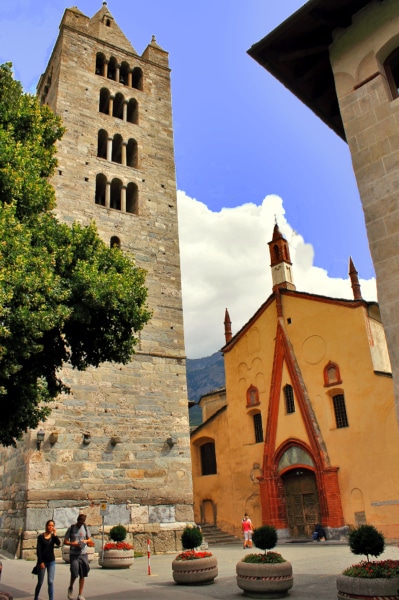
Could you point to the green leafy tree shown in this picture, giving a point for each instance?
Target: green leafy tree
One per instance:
(64, 295)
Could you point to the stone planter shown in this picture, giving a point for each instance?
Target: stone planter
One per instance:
(355, 587)
(66, 550)
(116, 559)
(195, 572)
(266, 580)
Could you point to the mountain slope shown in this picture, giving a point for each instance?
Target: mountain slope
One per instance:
(204, 375)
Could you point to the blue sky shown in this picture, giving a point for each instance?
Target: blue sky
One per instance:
(246, 150)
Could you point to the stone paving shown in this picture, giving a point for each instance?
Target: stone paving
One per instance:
(315, 567)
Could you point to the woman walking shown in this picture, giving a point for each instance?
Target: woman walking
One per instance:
(247, 529)
(46, 559)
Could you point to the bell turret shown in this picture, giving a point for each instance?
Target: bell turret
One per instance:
(281, 264)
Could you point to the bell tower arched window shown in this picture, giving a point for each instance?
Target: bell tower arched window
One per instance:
(100, 63)
(132, 199)
(117, 148)
(101, 182)
(133, 111)
(137, 78)
(118, 106)
(131, 154)
(124, 73)
(103, 105)
(102, 140)
(112, 68)
(116, 186)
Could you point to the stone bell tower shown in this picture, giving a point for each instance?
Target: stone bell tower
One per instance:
(122, 435)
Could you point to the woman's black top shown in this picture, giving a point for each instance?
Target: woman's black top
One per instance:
(45, 548)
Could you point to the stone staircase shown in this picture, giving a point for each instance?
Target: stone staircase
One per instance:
(213, 536)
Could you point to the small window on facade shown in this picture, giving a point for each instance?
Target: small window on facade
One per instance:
(258, 428)
(331, 374)
(208, 459)
(341, 418)
(115, 242)
(391, 66)
(252, 396)
(289, 399)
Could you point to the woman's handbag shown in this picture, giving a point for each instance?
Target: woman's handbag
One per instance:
(35, 570)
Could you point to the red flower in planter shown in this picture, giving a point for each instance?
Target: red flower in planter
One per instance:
(382, 569)
(118, 546)
(192, 555)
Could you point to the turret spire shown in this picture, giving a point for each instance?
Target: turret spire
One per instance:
(357, 294)
(227, 326)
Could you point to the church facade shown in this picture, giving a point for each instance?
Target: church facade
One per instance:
(305, 432)
(121, 438)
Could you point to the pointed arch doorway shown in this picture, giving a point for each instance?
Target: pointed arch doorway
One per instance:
(302, 501)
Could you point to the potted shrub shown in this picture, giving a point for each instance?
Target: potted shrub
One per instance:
(117, 554)
(192, 566)
(266, 575)
(369, 579)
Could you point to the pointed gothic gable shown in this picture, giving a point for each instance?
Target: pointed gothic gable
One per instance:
(104, 27)
(284, 356)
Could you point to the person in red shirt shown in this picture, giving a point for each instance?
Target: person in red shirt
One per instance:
(247, 529)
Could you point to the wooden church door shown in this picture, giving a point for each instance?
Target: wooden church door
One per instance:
(302, 502)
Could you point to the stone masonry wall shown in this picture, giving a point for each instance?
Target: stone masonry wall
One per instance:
(371, 120)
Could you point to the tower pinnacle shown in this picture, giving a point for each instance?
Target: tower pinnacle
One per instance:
(227, 326)
(357, 294)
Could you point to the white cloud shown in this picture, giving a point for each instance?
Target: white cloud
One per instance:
(225, 263)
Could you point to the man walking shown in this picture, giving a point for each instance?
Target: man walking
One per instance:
(77, 537)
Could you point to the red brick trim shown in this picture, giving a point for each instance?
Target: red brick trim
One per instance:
(271, 484)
